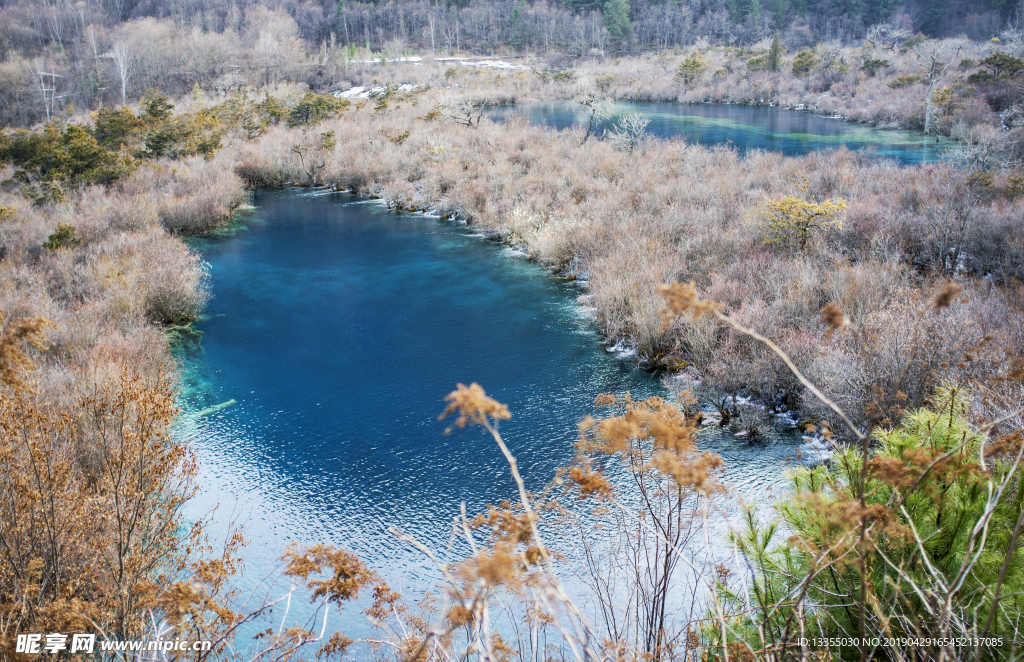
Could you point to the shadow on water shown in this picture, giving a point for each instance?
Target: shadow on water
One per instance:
(336, 329)
(794, 133)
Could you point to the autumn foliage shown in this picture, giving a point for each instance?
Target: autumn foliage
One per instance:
(91, 526)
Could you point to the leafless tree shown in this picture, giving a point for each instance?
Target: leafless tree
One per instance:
(124, 60)
(934, 69)
(597, 108)
(461, 110)
(46, 85)
(888, 36)
(55, 20)
(631, 131)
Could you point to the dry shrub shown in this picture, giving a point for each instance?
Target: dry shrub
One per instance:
(624, 287)
(130, 213)
(896, 358)
(192, 195)
(149, 273)
(104, 475)
(860, 289)
(563, 241)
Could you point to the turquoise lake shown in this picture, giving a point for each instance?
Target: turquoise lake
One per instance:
(337, 327)
(792, 132)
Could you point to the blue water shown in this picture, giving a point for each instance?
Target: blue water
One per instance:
(794, 133)
(337, 327)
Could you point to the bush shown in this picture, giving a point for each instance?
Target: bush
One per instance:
(115, 129)
(157, 133)
(72, 156)
(901, 530)
(66, 235)
(1001, 67)
(794, 219)
(193, 134)
(912, 43)
(691, 69)
(155, 107)
(272, 110)
(242, 113)
(196, 195)
(106, 464)
(904, 81)
(804, 62)
(871, 67)
(314, 108)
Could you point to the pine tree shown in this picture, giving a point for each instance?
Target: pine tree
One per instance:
(933, 17)
(754, 10)
(514, 27)
(616, 19)
(775, 54)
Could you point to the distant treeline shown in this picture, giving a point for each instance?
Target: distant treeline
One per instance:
(55, 53)
(566, 25)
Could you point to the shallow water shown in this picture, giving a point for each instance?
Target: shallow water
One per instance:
(792, 132)
(337, 327)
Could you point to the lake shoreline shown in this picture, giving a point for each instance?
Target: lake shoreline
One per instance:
(651, 361)
(622, 349)
(628, 220)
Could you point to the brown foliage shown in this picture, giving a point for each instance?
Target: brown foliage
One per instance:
(473, 406)
(670, 434)
(13, 359)
(949, 292)
(90, 522)
(347, 573)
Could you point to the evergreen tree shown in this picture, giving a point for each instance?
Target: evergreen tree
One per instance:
(1004, 7)
(582, 6)
(616, 19)
(879, 11)
(851, 8)
(933, 17)
(778, 10)
(341, 23)
(775, 54)
(735, 10)
(514, 27)
(754, 10)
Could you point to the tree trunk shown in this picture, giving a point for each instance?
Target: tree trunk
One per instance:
(928, 105)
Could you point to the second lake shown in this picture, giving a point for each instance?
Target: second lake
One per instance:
(792, 132)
